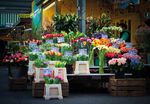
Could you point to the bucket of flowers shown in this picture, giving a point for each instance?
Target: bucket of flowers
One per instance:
(17, 64)
(117, 66)
(32, 57)
(40, 65)
(60, 70)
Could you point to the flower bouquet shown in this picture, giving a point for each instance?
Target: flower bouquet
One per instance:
(117, 65)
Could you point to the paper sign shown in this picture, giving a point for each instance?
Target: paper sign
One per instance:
(47, 71)
(55, 49)
(83, 51)
(42, 56)
(60, 39)
(32, 44)
(68, 53)
(50, 41)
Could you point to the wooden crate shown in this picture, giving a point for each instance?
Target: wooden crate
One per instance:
(65, 89)
(127, 87)
(17, 83)
(38, 89)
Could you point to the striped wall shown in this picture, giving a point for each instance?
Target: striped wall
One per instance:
(8, 18)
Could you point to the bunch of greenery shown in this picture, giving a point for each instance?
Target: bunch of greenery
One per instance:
(68, 22)
(33, 56)
(68, 59)
(82, 57)
(40, 63)
(60, 64)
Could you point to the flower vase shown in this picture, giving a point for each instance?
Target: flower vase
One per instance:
(119, 73)
(69, 68)
(101, 62)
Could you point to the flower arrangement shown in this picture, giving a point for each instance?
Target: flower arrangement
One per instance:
(60, 64)
(66, 48)
(81, 57)
(39, 63)
(112, 55)
(102, 41)
(52, 55)
(15, 58)
(112, 49)
(34, 41)
(51, 36)
(117, 63)
(33, 56)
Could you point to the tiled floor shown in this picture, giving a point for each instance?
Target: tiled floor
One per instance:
(25, 97)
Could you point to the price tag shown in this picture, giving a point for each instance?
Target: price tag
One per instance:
(128, 45)
(60, 39)
(55, 49)
(32, 44)
(83, 51)
(48, 72)
(50, 41)
(42, 56)
(36, 49)
(68, 53)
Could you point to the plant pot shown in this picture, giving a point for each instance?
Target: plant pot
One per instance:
(69, 68)
(17, 71)
(119, 74)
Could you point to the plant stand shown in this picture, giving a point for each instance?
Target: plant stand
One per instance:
(82, 67)
(62, 73)
(38, 76)
(52, 91)
(30, 68)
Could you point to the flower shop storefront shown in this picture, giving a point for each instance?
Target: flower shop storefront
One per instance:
(62, 59)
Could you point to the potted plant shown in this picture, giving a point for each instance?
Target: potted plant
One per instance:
(60, 70)
(52, 85)
(53, 57)
(40, 65)
(82, 64)
(32, 57)
(70, 60)
(117, 65)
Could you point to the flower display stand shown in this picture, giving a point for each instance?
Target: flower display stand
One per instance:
(38, 89)
(38, 76)
(52, 64)
(52, 91)
(62, 73)
(127, 87)
(30, 68)
(82, 67)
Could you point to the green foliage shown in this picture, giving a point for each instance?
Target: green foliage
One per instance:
(68, 59)
(82, 57)
(24, 49)
(68, 22)
(33, 56)
(60, 64)
(40, 63)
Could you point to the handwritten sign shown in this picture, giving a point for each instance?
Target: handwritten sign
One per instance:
(83, 51)
(68, 53)
(55, 49)
(32, 44)
(50, 41)
(60, 39)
